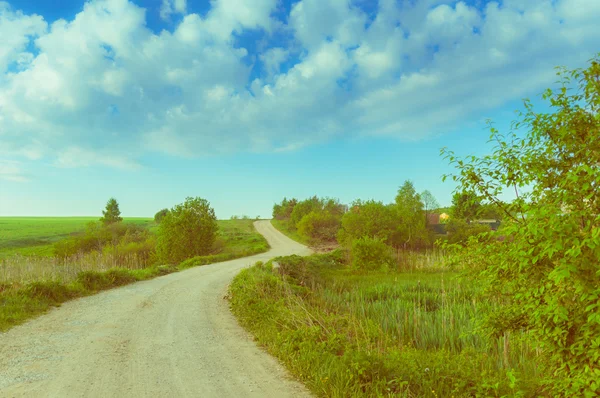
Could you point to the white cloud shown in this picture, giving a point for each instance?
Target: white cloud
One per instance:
(170, 7)
(103, 81)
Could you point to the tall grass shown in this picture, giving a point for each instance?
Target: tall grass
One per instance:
(354, 333)
(21, 270)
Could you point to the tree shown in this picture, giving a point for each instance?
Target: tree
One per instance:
(546, 271)
(189, 229)
(160, 215)
(283, 210)
(411, 230)
(465, 205)
(429, 204)
(368, 219)
(112, 214)
(304, 207)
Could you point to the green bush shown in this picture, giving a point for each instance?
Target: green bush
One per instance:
(459, 230)
(319, 226)
(371, 254)
(368, 219)
(547, 271)
(160, 215)
(188, 230)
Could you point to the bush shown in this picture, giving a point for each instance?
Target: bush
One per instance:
(319, 226)
(160, 215)
(188, 230)
(371, 254)
(547, 271)
(459, 231)
(368, 219)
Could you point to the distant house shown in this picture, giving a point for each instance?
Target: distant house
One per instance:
(433, 218)
(434, 222)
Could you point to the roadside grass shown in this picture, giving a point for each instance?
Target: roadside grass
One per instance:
(346, 332)
(30, 286)
(35, 236)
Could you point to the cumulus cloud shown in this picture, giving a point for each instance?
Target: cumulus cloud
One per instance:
(170, 7)
(104, 89)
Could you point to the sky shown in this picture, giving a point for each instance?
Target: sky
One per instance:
(246, 102)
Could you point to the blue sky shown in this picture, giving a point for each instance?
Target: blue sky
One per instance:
(245, 102)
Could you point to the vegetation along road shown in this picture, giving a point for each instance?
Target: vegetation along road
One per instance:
(170, 336)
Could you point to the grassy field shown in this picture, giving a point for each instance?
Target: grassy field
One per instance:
(29, 285)
(35, 235)
(349, 333)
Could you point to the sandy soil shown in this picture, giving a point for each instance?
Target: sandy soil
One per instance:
(172, 336)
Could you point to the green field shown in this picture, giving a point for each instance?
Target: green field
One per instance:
(36, 235)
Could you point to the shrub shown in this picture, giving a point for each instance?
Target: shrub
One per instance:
(368, 219)
(320, 226)
(160, 215)
(303, 208)
(188, 230)
(459, 231)
(371, 254)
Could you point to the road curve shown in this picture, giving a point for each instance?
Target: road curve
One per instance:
(171, 336)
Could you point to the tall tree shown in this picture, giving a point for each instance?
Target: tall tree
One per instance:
(111, 214)
(411, 230)
(429, 204)
(465, 205)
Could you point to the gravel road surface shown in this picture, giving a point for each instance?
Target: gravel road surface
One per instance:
(171, 336)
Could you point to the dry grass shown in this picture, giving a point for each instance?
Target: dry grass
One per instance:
(21, 270)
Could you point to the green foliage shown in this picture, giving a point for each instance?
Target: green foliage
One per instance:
(303, 208)
(160, 215)
(371, 254)
(465, 205)
(368, 219)
(111, 214)
(35, 236)
(411, 231)
(283, 210)
(188, 230)
(320, 225)
(459, 231)
(113, 237)
(547, 270)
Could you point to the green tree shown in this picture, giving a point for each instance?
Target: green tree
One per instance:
(111, 214)
(368, 219)
(283, 210)
(189, 229)
(160, 215)
(465, 205)
(412, 226)
(304, 207)
(547, 270)
(429, 204)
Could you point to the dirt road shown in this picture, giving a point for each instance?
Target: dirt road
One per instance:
(172, 336)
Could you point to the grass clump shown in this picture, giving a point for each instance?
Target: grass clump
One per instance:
(348, 332)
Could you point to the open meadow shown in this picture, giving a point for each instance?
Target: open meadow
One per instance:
(36, 235)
